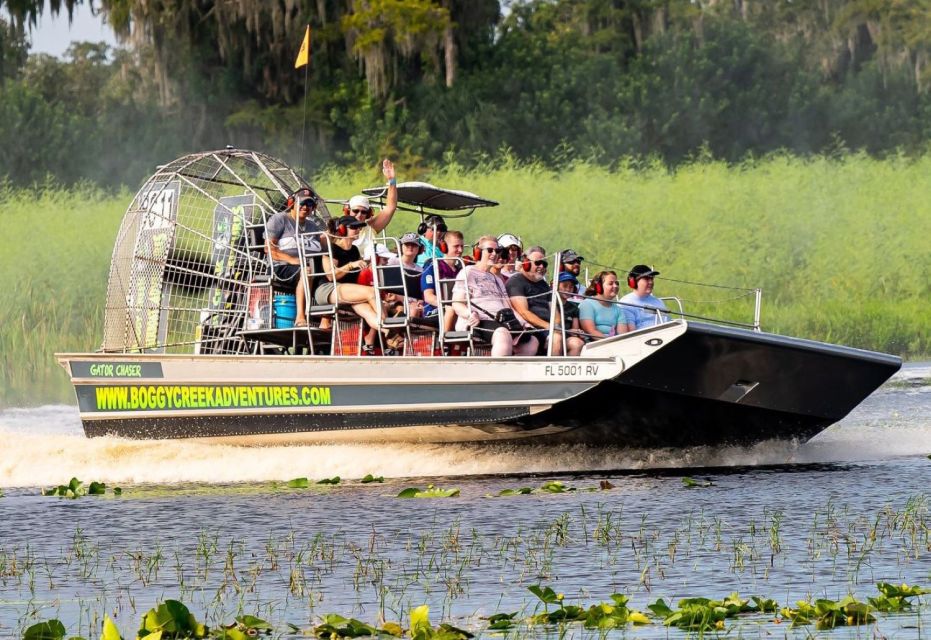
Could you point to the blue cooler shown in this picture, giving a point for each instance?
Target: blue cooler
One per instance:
(285, 310)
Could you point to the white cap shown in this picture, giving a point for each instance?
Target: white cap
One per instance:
(384, 252)
(359, 202)
(508, 240)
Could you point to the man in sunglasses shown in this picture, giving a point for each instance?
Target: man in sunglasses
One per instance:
(572, 263)
(432, 234)
(360, 208)
(532, 299)
(282, 233)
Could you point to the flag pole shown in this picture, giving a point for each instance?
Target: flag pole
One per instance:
(303, 60)
(304, 124)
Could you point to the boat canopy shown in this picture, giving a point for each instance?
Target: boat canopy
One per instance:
(424, 195)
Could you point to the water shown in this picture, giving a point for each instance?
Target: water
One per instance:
(208, 525)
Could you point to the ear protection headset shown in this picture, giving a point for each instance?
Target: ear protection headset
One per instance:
(346, 210)
(526, 264)
(300, 194)
(441, 245)
(598, 286)
(427, 223)
(341, 230)
(631, 281)
(476, 252)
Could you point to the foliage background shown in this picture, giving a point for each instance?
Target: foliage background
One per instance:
(839, 246)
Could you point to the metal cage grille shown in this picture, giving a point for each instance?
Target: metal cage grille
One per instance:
(188, 248)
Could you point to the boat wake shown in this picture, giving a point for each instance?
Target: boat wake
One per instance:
(46, 445)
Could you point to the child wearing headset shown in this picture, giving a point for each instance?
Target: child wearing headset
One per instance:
(599, 313)
(642, 307)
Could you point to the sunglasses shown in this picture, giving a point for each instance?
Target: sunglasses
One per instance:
(490, 249)
(577, 261)
(541, 263)
(442, 228)
(365, 211)
(310, 204)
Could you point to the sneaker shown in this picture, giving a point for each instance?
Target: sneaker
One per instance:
(368, 349)
(391, 352)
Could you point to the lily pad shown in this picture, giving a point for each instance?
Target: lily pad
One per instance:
(430, 492)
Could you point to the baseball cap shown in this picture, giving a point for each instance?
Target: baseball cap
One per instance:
(641, 271)
(410, 238)
(565, 276)
(506, 240)
(350, 222)
(359, 202)
(384, 252)
(568, 255)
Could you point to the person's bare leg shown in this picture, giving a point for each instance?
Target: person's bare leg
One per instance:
(300, 313)
(528, 348)
(557, 344)
(575, 345)
(501, 343)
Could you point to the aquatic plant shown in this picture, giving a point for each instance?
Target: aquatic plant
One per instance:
(895, 598)
(170, 619)
(421, 629)
(604, 615)
(298, 483)
(430, 492)
(692, 483)
(552, 486)
(75, 489)
(333, 480)
(828, 614)
(336, 626)
(48, 630)
(370, 478)
(704, 614)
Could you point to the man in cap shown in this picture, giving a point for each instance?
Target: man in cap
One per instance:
(282, 235)
(572, 263)
(360, 208)
(532, 299)
(432, 232)
(643, 309)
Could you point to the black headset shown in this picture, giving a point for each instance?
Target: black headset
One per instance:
(303, 193)
(428, 222)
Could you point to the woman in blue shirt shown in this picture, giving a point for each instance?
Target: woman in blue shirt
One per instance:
(599, 314)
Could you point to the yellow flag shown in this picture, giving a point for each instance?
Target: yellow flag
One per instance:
(303, 56)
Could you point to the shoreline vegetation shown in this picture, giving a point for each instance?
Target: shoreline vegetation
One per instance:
(838, 245)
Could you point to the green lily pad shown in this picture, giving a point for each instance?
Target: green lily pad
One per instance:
(430, 492)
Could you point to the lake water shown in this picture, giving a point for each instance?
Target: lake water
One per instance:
(213, 526)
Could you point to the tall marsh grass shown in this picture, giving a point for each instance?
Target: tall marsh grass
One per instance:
(840, 246)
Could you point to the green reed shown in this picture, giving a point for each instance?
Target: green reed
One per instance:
(838, 245)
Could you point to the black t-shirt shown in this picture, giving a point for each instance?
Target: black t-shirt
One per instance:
(570, 311)
(345, 256)
(538, 294)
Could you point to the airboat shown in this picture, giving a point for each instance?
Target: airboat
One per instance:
(193, 347)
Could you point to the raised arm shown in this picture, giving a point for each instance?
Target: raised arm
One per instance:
(379, 222)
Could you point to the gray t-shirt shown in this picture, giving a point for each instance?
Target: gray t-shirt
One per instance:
(282, 228)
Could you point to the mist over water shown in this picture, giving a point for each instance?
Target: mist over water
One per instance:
(46, 445)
